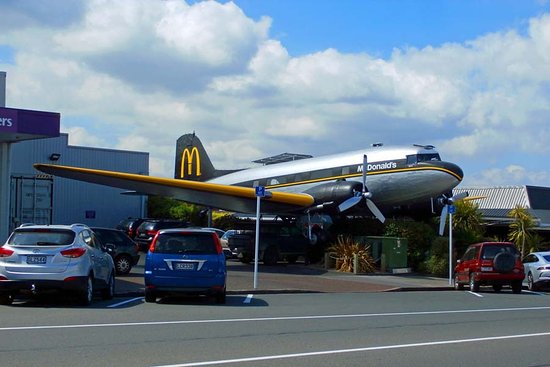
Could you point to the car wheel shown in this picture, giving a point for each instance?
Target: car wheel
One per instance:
(6, 299)
(530, 283)
(270, 256)
(123, 264)
(457, 284)
(220, 297)
(516, 286)
(150, 296)
(87, 294)
(109, 292)
(474, 285)
(497, 287)
(246, 259)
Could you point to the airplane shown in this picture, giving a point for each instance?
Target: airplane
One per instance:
(371, 181)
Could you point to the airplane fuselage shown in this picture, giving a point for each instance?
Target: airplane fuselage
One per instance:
(395, 176)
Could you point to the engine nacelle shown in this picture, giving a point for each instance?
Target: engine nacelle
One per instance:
(334, 193)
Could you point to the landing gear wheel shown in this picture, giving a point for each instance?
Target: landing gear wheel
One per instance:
(474, 285)
(109, 292)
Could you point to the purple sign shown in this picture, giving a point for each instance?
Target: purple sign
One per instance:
(17, 124)
(8, 120)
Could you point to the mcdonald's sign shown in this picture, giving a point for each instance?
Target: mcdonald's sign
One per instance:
(187, 159)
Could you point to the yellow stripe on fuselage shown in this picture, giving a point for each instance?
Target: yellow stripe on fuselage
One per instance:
(360, 174)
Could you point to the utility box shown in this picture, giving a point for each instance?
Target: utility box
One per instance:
(389, 252)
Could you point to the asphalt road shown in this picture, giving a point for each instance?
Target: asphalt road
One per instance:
(443, 328)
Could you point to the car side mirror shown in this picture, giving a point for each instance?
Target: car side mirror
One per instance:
(458, 261)
(109, 248)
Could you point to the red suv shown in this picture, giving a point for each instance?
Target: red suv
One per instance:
(490, 263)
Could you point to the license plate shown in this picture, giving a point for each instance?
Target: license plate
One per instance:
(486, 268)
(33, 259)
(184, 266)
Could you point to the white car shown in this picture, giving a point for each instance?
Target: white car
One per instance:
(38, 258)
(537, 269)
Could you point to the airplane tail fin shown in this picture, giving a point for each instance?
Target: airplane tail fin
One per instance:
(192, 161)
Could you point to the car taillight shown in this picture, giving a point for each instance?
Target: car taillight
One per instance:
(219, 249)
(73, 252)
(152, 247)
(4, 252)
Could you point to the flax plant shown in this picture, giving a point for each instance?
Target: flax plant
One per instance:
(344, 249)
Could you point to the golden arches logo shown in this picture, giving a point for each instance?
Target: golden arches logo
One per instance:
(187, 158)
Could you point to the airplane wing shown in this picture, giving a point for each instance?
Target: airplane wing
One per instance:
(232, 198)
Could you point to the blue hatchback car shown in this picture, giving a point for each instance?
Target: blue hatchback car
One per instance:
(185, 261)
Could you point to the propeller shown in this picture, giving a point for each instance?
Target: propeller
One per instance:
(364, 194)
(449, 201)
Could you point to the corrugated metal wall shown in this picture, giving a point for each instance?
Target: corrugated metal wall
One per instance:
(80, 202)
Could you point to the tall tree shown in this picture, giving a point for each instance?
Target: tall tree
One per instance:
(521, 229)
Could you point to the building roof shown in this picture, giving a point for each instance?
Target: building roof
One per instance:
(496, 202)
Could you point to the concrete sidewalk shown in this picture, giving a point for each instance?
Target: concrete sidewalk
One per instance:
(286, 278)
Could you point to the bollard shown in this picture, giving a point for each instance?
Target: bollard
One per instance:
(355, 263)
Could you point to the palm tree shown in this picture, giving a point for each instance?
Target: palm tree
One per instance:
(521, 229)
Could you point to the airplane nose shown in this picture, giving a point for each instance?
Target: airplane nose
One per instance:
(448, 167)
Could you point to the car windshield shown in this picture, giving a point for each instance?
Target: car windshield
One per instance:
(490, 251)
(179, 243)
(41, 237)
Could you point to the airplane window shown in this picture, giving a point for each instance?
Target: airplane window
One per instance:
(346, 170)
(273, 181)
(412, 159)
(415, 158)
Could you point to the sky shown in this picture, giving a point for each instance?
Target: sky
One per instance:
(255, 78)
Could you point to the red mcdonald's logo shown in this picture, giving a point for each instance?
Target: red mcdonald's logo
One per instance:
(187, 157)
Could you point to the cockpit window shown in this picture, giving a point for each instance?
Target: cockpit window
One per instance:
(415, 158)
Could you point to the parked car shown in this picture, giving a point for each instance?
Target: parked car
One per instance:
(125, 251)
(537, 268)
(490, 263)
(188, 261)
(277, 242)
(130, 225)
(224, 240)
(40, 258)
(149, 228)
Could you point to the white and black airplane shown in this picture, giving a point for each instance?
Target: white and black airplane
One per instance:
(373, 181)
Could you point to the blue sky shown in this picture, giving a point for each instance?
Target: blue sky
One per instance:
(377, 27)
(262, 77)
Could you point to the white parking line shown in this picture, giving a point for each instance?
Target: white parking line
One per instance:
(475, 294)
(357, 350)
(248, 298)
(125, 302)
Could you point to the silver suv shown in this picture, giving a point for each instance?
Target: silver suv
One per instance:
(39, 258)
